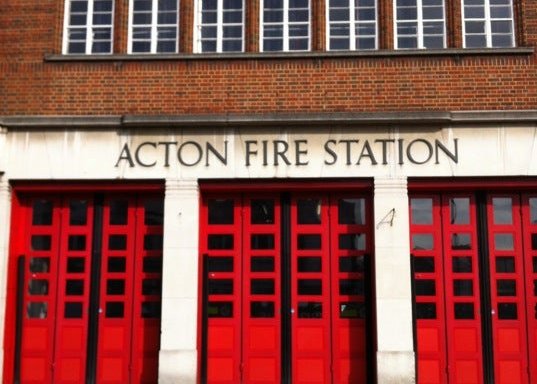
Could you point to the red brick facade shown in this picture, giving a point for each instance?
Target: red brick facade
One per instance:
(31, 84)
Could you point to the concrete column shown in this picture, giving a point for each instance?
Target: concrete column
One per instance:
(178, 342)
(5, 210)
(395, 355)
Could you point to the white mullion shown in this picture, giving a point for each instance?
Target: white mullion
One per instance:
(131, 27)
(89, 27)
(352, 25)
(243, 26)
(66, 26)
(488, 24)
(285, 26)
(419, 15)
(219, 25)
(198, 9)
(154, 20)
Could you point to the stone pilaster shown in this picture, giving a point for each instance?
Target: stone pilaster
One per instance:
(5, 214)
(178, 343)
(395, 354)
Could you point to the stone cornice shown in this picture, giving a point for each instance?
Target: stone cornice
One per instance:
(301, 119)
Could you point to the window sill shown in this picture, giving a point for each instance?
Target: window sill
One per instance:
(294, 55)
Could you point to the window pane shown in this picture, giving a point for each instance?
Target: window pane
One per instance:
(425, 287)
(503, 242)
(459, 209)
(462, 264)
(262, 241)
(262, 264)
(309, 211)
(352, 242)
(118, 212)
(422, 241)
(425, 311)
(503, 210)
(262, 286)
(423, 264)
(261, 309)
(461, 241)
(310, 310)
(42, 212)
(310, 287)
(221, 211)
(309, 264)
(309, 241)
(351, 211)
(422, 211)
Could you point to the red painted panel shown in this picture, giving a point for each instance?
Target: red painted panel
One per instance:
(462, 291)
(529, 229)
(310, 289)
(73, 294)
(427, 256)
(220, 240)
(147, 294)
(56, 237)
(261, 289)
(350, 259)
(116, 289)
(507, 289)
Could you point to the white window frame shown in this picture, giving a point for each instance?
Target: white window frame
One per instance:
(219, 27)
(88, 27)
(352, 22)
(488, 24)
(154, 29)
(419, 20)
(285, 26)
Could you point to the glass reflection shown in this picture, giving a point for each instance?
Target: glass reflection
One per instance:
(503, 210)
(309, 211)
(461, 241)
(262, 212)
(422, 241)
(352, 211)
(459, 210)
(503, 242)
(422, 211)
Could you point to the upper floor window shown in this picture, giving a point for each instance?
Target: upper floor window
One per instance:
(220, 26)
(285, 25)
(153, 26)
(419, 24)
(488, 23)
(352, 24)
(88, 26)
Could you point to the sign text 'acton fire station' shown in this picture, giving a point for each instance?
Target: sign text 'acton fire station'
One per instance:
(297, 153)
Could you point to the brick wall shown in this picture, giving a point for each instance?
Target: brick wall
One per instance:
(30, 85)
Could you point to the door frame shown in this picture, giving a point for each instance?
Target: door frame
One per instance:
(21, 189)
(241, 186)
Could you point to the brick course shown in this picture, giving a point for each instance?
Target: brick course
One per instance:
(30, 85)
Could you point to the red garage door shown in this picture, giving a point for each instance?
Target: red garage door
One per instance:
(474, 286)
(286, 287)
(88, 292)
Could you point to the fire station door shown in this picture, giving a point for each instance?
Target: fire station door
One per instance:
(88, 289)
(286, 295)
(475, 285)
